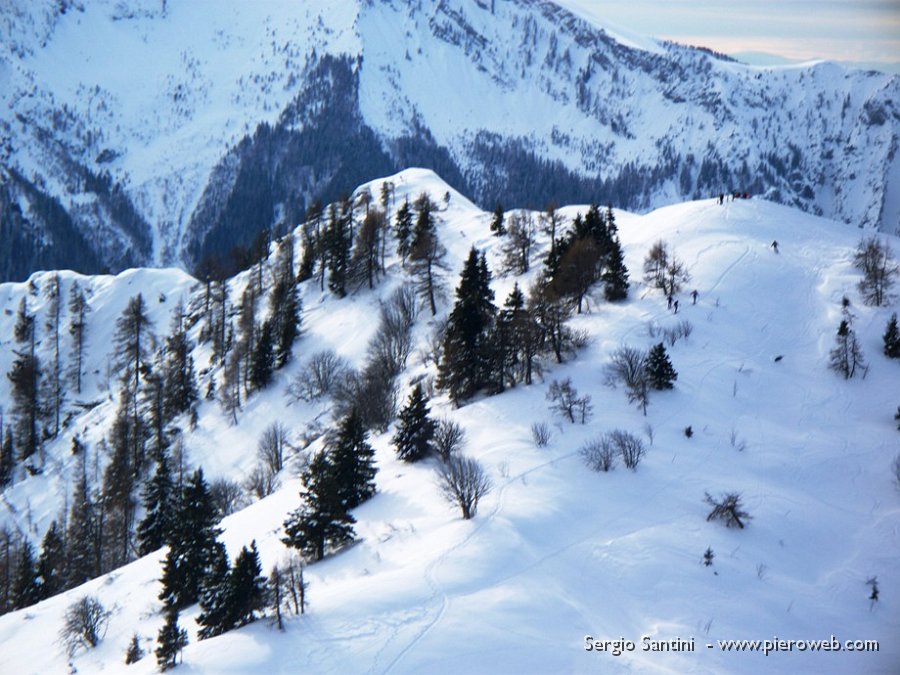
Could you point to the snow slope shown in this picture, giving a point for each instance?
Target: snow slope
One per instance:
(557, 552)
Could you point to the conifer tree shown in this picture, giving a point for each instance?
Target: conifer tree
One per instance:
(615, 274)
(51, 565)
(214, 595)
(515, 342)
(426, 253)
(171, 639)
(26, 589)
(352, 461)
(134, 653)
(7, 458)
(465, 365)
(25, 379)
(132, 340)
(322, 521)
(78, 311)
(660, 372)
(81, 550)
(160, 506)
(339, 239)
(193, 546)
(892, 338)
(118, 501)
(246, 588)
(415, 429)
(179, 381)
(263, 362)
(403, 230)
(54, 382)
(497, 222)
(846, 356)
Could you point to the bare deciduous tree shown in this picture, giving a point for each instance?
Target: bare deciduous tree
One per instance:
(318, 377)
(727, 509)
(272, 447)
(85, 624)
(463, 482)
(875, 259)
(448, 440)
(227, 496)
(566, 401)
(540, 433)
(599, 454)
(628, 366)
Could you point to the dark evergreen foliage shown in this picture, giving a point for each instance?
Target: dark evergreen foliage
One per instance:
(134, 653)
(193, 546)
(892, 338)
(25, 378)
(180, 382)
(51, 565)
(7, 458)
(415, 428)
(426, 252)
(497, 227)
(26, 588)
(615, 276)
(82, 546)
(660, 372)
(160, 508)
(465, 366)
(322, 522)
(352, 461)
(263, 363)
(171, 639)
(403, 230)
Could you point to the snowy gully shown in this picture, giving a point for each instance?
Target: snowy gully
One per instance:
(648, 644)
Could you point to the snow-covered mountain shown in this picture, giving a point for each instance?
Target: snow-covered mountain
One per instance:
(556, 552)
(166, 131)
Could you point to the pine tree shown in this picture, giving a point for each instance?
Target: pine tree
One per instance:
(339, 239)
(179, 381)
(78, 311)
(160, 505)
(263, 363)
(497, 222)
(51, 565)
(415, 429)
(352, 461)
(615, 275)
(465, 365)
(846, 356)
(7, 458)
(118, 501)
(892, 338)
(426, 253)
(214, 596)
(515, 342)
(81, 549)
(322, 521)
(170, 640)
(26, 589)
(25, 378)
(660, 372)
(134, 653)
(403, 230)
(246, 587)
(193, 546)
(54, 383)
(132, 339)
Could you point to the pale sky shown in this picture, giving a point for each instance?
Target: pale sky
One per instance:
(856, 31)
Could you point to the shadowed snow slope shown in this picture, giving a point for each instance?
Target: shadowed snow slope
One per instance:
(557, 552)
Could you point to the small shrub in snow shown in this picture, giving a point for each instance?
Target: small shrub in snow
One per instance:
(261, 482)
(85, 624)
(134, 653)
(566, 401)
(728, 509)
(540, 433)
(708, 556)
(872, 583)
(272, 447)
(629, 447)
(599, 454)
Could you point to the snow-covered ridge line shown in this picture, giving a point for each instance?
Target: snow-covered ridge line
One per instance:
(556, 551)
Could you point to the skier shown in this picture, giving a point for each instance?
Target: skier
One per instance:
(669, 300)
(676, 307)
(775, 246)
(721, 198)
(694, 296)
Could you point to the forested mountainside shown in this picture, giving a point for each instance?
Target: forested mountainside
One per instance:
(168, 133)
